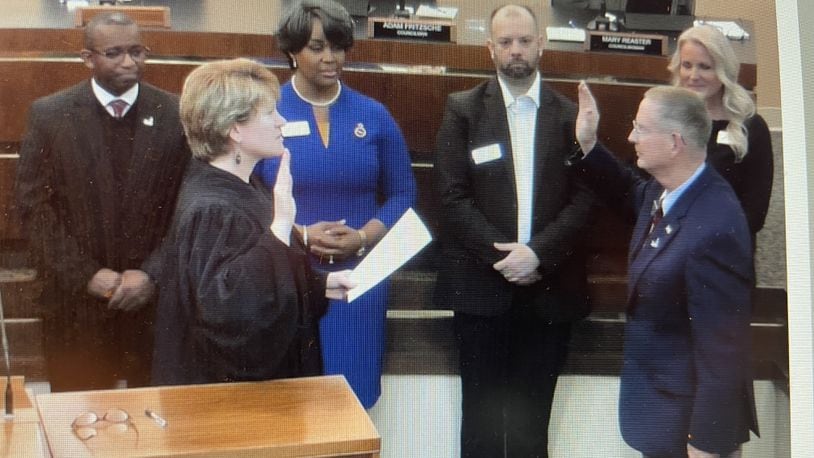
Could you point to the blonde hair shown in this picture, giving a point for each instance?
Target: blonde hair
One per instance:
(216, 96)
(737, 101)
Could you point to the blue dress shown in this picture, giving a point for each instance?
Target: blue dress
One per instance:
(364, 173)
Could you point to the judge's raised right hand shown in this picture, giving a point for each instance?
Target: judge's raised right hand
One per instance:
(285, 209)
(587, 119)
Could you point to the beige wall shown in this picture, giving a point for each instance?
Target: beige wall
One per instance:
(796, 45)
(762, 14)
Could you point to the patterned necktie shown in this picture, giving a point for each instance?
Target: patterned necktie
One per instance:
(118, 106)
(656, 215)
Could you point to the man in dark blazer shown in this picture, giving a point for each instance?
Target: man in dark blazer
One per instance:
(686, 385)
(512, 224)
(99, 170)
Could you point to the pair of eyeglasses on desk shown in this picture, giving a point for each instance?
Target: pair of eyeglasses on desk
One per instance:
(87, 425)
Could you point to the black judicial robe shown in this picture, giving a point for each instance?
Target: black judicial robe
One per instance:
(235, 303)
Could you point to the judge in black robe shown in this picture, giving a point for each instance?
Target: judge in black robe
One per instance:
(238, 300)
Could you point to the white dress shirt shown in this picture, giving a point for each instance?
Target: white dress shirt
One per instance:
(522, 115)
(105, 97)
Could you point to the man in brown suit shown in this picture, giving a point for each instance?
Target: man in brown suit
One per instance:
(99, 170)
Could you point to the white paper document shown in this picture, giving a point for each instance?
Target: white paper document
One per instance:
(404, 240)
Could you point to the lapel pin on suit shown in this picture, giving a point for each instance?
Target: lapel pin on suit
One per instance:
(360, 131)
(654, 243)
(148, 121)
(668, 229)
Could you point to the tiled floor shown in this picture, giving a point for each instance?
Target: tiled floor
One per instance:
(419, 412)
(419, 416)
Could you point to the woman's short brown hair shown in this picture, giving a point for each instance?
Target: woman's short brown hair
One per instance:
(216, 96)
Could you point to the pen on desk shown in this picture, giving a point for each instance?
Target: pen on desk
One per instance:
(156, 418)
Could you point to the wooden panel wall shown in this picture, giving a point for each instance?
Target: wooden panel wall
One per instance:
(416, 101)
(45, 63)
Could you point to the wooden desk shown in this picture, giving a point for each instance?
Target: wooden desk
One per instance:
(24, 410)
(317, 416)
(22, 440)
(22, 436)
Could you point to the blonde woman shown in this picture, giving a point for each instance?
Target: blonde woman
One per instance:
(238, 300)
(740, 146)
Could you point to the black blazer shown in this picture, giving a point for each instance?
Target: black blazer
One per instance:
(77, 215)
(479, 207)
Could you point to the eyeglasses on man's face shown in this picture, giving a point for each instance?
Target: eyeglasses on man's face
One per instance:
(637, 128)
(117, 54)
(652, 129)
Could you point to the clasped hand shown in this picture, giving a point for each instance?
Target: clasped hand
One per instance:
(127, 291)
(333, 238)
(520, 264)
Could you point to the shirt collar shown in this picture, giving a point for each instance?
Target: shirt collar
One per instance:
(533, 93)
(671, 198)
(105, 97)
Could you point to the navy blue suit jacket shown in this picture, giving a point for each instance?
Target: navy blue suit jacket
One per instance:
(687, 373)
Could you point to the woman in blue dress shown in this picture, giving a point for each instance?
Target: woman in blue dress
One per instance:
(352, 181)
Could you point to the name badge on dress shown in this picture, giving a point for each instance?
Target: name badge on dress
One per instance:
(486, 153)
(296, 129)
(724, 138)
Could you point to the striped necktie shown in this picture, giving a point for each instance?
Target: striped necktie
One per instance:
(118, 106)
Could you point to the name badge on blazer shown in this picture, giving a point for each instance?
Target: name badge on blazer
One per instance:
(486, 153)
(296, 129)
(724, 138)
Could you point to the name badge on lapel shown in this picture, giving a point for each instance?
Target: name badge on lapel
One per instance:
(724, 138)
(296, 129)
(486, 153)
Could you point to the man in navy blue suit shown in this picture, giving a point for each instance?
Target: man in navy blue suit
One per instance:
(686, 385)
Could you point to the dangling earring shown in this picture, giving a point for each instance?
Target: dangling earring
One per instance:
(237, 157)
(294, 62)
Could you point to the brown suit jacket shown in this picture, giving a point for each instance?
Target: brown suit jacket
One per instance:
(79, 214)
(68, 195)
